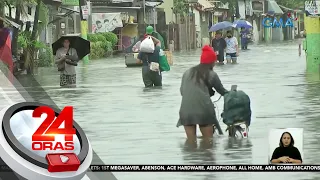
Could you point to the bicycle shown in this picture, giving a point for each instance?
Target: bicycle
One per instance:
(239, 128)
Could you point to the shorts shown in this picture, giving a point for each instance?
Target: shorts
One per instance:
(232, 55)
(68, 79)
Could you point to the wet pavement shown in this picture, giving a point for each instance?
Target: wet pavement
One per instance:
(127, 124)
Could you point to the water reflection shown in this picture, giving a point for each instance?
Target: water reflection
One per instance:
(202, 153)
(238, 148)
(199, 153)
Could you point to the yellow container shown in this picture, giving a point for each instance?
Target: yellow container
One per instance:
(169, 57)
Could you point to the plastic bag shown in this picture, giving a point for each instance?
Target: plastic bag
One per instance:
(147, 45)
(161, 53)
(163, 62)
(154, 66)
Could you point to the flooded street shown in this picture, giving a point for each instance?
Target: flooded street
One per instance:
(129, 125)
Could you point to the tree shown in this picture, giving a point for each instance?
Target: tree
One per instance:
(34, 36)
(19, 11)
(232, 5)
(180, 7)
(292, 4)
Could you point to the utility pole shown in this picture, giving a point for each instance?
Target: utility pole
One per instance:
(84, 27)
(144, 12)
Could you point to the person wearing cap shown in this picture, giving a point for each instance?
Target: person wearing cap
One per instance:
(219, 45)
(150, 32)
(196, 89)
(150, 78)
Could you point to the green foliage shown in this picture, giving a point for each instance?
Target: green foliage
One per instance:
(111, 37)
(100, 46)
(45, 57)
(97, 50)
(43, 16)
(92, 38)
(292, 4)
(24, 41)
(180, 7)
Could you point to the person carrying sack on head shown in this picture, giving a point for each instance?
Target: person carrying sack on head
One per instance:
(163, 61)
(149, 33)
(149, 56)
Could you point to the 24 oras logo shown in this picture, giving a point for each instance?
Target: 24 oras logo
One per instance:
(44, 138)
(37, 140)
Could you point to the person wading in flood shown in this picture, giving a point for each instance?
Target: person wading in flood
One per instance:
(151, 78)
(219, 44)
(244, 38)
(66, 60)
(196, 89)
(232, 51)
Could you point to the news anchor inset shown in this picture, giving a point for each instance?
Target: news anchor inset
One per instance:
(50, 156)
(286, 152)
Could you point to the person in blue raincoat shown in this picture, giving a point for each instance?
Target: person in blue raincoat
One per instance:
(244, 38)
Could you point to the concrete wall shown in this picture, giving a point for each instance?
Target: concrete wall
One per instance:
(167, 5)
(277, 34)
(204, 28)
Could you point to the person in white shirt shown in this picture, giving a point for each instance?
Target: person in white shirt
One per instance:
(232, 50)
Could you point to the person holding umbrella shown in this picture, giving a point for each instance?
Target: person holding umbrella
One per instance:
(68, 50)
(244, 38)
(66, 59)
(219, 44)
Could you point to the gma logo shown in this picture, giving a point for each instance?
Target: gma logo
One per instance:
(268, 22)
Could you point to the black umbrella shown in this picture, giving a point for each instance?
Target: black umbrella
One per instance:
(81, 45)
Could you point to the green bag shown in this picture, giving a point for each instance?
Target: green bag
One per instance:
(163, 62)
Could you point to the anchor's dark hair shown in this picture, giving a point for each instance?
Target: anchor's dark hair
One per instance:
(291, 141)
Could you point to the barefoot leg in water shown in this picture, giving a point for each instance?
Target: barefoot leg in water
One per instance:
(207, 132)
(191, 132)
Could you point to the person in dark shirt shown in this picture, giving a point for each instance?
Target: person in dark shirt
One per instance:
(286, 152)
(150, 78)
(219, 44)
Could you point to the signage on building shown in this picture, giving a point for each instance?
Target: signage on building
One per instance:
(70, 2)
(275, 23)
(257, 6)
(217, 13)
(312, 8)
(85, 11)
(121, 1)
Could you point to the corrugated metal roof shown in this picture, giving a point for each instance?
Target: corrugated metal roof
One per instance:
(273, 6)
(206, 4)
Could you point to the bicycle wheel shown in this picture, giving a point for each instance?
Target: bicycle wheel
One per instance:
(238, 131)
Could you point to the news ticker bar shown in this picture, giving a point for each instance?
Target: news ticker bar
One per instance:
(196, 168)
(203, 168)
